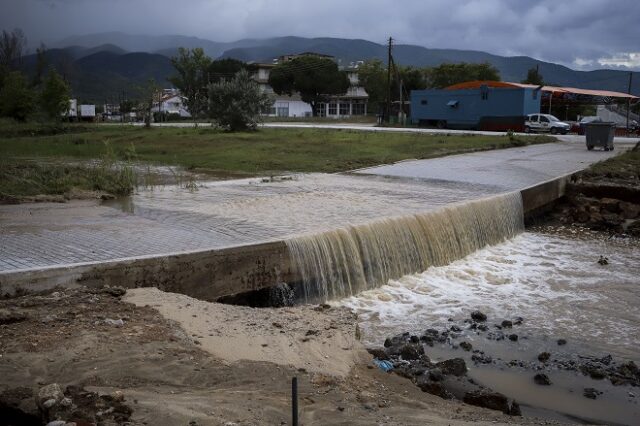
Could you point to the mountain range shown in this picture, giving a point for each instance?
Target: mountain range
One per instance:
(106, 66)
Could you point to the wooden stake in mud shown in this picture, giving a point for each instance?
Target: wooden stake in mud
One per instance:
(294, 401)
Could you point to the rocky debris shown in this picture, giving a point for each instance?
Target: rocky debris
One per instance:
(114, 291)
(513, 337)
(455, 366)
(506, 324)
(478, 316)
(603, 260)
(76, 405)
(544, 356)
(466, 346)
(10, 316)
(542, 379)
(591, 393)
(446, 379)
(562, 342)
(492, 400)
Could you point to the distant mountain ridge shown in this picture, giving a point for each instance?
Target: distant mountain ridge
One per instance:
(97, 76)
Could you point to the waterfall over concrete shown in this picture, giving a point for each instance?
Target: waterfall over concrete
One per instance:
(346, 261)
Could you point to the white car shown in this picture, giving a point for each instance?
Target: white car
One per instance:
(545, 123)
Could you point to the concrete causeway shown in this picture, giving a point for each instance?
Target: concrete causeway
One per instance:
(47, 244)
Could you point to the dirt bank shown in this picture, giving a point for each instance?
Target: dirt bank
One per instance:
(156, 357)
(605, 197)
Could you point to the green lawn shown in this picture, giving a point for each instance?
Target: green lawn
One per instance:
(261, 152)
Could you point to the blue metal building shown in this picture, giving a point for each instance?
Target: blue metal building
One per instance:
(483, 108)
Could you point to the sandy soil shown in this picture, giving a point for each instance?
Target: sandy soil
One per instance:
(181, 361)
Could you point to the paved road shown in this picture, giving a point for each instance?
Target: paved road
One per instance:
(221, 214)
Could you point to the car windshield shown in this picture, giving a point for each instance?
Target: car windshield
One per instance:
(552, 118)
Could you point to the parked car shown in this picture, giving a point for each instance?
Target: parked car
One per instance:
(545, 123)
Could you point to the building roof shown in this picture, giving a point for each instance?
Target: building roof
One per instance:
(568, 94)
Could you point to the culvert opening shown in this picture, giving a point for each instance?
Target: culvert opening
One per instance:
(280, 296)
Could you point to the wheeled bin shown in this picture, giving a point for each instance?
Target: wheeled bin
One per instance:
(600, 134)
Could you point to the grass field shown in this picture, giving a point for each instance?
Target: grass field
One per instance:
(265, 151)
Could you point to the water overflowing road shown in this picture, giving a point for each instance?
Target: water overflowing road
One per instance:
(171, 220)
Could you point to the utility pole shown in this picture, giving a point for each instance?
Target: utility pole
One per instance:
(389, 61)
(629, 101)
(401, 110)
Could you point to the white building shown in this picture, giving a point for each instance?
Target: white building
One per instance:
(172, 103)
(352, 103)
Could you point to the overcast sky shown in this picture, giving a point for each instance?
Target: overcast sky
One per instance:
(583, 34)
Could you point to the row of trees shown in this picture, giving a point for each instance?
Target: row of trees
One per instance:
(373, 77)
(314, 78)
(20, 97)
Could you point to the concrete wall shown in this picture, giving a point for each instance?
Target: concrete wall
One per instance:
(209, 274)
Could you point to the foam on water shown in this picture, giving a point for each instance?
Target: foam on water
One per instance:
(554, 282)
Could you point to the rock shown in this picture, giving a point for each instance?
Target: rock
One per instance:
(9, 316)
(603, 260)
(593, 371)
(116, 323)
(434, 388)
(542, 379)
(114, 291)
(436, 375)
(276, 324)
(48, 393)
(411, 351)
(518, 321)
(591, 393)
(57, 423)
(117, 396)
(562, 342)
(481, 358)
(478, 316)
(507, 324)
(544, 356)
(513, 337)
(610, 204)
(414, 339)
(492, 400)
(379, 353)
(466, 346)
(455, 328)
(388, 343)
(629, 210)
(454, 366)
(431, 332)
(482, 327)
(606, 360)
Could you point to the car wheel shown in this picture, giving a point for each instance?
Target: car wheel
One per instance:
(611, 149)
(589, 147)
(554, 130)
(442, 124)
(527, 129)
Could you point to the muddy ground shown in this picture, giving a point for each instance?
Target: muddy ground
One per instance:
(167, 359)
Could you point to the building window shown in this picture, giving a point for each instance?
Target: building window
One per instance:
(321, 109)
(282, 111)
(357, 108)
(333, 108)
(423, 102)
(344, 108)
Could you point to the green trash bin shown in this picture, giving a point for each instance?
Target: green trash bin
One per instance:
(600, 134)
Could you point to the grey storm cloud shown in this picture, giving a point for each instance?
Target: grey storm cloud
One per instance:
(578, 33)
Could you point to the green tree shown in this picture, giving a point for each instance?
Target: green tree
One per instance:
(41, 65)
(372, 76)
(150, 94)
(17, 99)
(193, 68)
(222, 69)
(237, 103)
(313, 77)
(55, 96)
(534, 77)
(447, 74)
